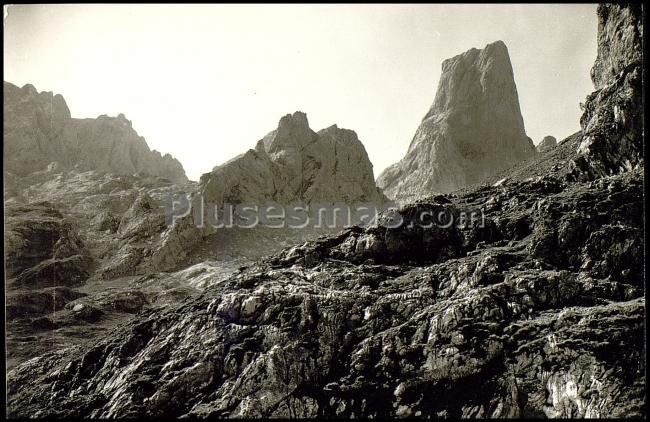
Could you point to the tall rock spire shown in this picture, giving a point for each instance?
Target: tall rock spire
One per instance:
(473, 129)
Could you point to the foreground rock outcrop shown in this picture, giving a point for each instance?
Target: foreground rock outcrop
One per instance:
(612, 121)
(359, 325)
(42, 247)
(473, 129)
(294, 163)
(38, 130)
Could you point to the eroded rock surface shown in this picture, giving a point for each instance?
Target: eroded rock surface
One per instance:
(473, 129)
(70, 236)
(85, 251)
(338, 326)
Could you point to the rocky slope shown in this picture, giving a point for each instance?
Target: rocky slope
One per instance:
(542, 306)
(554, 162)
(294, 163)
(38, 130)
(86, 251)
(70, 233)
(473, 129)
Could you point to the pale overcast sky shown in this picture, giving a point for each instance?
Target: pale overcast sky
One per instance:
(205, 82)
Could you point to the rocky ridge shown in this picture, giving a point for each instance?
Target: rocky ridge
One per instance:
(473, 129)
(38, 129)
(548, 143)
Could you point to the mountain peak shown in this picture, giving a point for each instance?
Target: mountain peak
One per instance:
(294, 163)
(473, 129)
(296, 120)
(293, 131)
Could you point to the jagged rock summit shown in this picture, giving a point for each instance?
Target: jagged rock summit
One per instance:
(39, 130)
(294, 163)
(547, 144)
(473, 129)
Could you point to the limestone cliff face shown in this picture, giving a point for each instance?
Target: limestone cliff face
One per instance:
(473, 129)
(294, 163)
(612, 121)
(38, 130)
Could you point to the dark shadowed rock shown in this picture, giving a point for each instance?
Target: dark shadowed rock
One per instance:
(473, 129)
(29, 303)
(42, 247)
(68, 271)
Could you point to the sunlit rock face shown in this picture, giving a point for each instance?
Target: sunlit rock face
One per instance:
(612, 121)
(473, 129)
(294, 163)
(38, 130)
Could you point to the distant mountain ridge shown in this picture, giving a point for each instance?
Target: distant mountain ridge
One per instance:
(39, 129)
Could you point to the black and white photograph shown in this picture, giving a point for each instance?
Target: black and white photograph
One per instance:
(308, 211)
